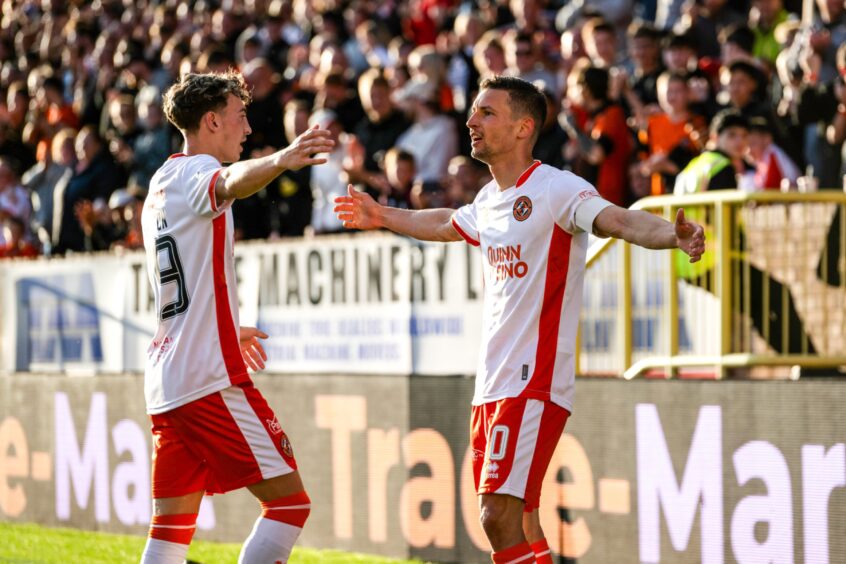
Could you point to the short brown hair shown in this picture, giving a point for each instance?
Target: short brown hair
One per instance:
(187, 101)
(524, 99)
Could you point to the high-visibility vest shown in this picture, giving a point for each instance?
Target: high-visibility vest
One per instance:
(694, 179)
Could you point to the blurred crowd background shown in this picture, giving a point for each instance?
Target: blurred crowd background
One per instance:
(632, 87)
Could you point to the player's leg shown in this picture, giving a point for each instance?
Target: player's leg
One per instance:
(535, 537)
(239, 437)
(285, 506)
(552, 422)
(178, 482)
(494, 428)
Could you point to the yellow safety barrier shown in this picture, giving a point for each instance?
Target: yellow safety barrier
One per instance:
(771, 294)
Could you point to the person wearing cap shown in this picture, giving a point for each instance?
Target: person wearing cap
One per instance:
(718, 167)
(723, 167)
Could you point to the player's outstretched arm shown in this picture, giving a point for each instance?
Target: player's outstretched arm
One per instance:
(359, 211)
(245, 178)
(650, 231)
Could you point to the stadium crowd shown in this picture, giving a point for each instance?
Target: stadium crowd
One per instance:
(632, 87)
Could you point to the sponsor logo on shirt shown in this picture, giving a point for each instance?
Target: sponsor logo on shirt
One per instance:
(274, 426)
(506, 262)
(587, 194)
(477, 454)
(522, 208)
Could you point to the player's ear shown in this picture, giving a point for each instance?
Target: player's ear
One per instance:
(211, 120)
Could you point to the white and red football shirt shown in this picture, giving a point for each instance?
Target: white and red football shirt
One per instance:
(188, 238)
(533, 238)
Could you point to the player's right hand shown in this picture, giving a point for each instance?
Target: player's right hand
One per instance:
(357, 210)
(305, 148)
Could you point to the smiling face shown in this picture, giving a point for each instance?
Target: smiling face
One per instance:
(234, 128)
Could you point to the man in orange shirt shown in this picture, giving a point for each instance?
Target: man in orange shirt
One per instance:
(601, 148)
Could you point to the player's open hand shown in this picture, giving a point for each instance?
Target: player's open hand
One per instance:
(302, 152)
(358, 210)
(251, 349)
(690, 237)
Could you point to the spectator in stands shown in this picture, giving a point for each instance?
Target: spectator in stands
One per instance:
(95, 176)
(383, 123)
(328, 180)
(432, 138)
(816, 110)
(523, 62)
(600, 147)
(489, 55)
(13, 241)
(14, 199)
(737, 43)
(290, 199)
(465, 178)
(774, 169)
(671, 137)
(41, 180)
(706, 19)
(719, 168)
(764, 17)
(600, 40)
(154, 142)
(400, 171)
(462, 74)
(645, 54)
(549, 148)
(426, 195)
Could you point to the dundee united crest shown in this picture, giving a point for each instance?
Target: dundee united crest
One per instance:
(522, 208)
(286, 446)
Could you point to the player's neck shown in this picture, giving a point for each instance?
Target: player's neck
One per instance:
(508, 171)
(195, 146)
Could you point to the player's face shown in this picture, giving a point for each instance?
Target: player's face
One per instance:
(492, 126)
(235, 128)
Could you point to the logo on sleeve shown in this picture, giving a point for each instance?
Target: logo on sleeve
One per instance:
(522, 208)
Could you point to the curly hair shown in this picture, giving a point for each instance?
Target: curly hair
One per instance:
(189, 99)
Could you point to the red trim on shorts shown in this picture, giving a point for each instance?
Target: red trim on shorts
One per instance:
(174, 528)
(526, 174)
(461, 232)
(227, 334)
(292, 509)
(553, 420)
(558, 265)
(212, 197)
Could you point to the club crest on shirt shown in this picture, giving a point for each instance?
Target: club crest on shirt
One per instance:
(522, 208)
(286, 446)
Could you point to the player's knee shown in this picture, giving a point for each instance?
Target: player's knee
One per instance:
(293, 509)
(494, 517)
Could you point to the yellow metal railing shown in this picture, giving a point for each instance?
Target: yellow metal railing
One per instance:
(772, 293)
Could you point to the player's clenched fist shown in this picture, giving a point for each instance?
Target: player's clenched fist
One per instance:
(301, 152)
(358, 210)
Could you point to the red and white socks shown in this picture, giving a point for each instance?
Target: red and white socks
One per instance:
(518, 554)
(276, 531)
(542, 553)
(169, 538)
